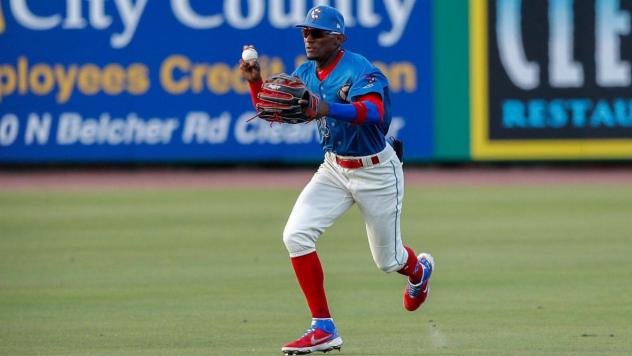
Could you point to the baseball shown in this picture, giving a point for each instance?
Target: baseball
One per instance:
(249, 54)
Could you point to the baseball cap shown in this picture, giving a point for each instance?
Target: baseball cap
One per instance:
(326, 18)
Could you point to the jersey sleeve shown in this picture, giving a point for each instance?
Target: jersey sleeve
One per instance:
(371, 82)
(368, 109)
(365, 98)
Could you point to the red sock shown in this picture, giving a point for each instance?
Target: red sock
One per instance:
(309, 273)
(410, 269)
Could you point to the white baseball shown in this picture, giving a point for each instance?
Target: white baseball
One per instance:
(249, 54)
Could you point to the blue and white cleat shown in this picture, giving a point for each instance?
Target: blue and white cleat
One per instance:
(415, 294)
(321, 336)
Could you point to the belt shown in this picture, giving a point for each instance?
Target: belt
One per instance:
(353, 163)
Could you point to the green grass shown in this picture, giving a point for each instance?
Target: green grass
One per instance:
(528, 270)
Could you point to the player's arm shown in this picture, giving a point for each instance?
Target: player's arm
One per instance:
(251, 72)
(255, 88)
(362, 101)
(253, 77)
(367, 109)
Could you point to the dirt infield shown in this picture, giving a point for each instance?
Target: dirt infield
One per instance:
(295, 178)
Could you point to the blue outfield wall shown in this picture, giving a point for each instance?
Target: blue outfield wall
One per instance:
(141, 81)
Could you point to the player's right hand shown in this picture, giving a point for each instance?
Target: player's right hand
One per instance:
(250, 70)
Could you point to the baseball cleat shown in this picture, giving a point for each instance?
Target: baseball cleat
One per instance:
(415, 294)
(321, 336)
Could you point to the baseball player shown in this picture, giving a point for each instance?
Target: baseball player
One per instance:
(353, 111)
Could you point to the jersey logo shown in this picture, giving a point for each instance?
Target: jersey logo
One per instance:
(324, 130)
(370, 79)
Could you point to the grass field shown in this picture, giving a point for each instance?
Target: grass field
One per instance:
(520, 270)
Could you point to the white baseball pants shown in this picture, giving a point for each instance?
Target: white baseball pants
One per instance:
(377, 189)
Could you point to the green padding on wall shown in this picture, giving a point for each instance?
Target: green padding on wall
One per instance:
(451, 80)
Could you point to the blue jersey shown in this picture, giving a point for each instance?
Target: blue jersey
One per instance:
(340, 137)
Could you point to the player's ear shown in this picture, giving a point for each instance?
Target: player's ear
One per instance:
(340, 39)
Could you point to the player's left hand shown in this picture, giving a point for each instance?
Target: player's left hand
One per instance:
(286, 99)
(314, 107)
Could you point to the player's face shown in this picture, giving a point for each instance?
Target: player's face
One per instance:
(319, 44)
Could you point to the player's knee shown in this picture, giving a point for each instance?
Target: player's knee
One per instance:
(388, 266)
(298, 242)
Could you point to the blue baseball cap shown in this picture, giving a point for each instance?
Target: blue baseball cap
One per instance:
(324, 18)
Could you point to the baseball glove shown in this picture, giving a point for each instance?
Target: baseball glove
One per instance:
(285, 99)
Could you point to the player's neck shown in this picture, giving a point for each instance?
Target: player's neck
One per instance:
(324, 63)
(323, 72)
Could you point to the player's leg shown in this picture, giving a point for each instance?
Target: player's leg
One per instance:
(379, 194)
(323, 200)
(320, 203)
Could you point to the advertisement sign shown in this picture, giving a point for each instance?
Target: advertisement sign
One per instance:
(551, 79)
(158, 81)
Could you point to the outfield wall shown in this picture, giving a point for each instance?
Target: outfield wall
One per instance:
(140, 81)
